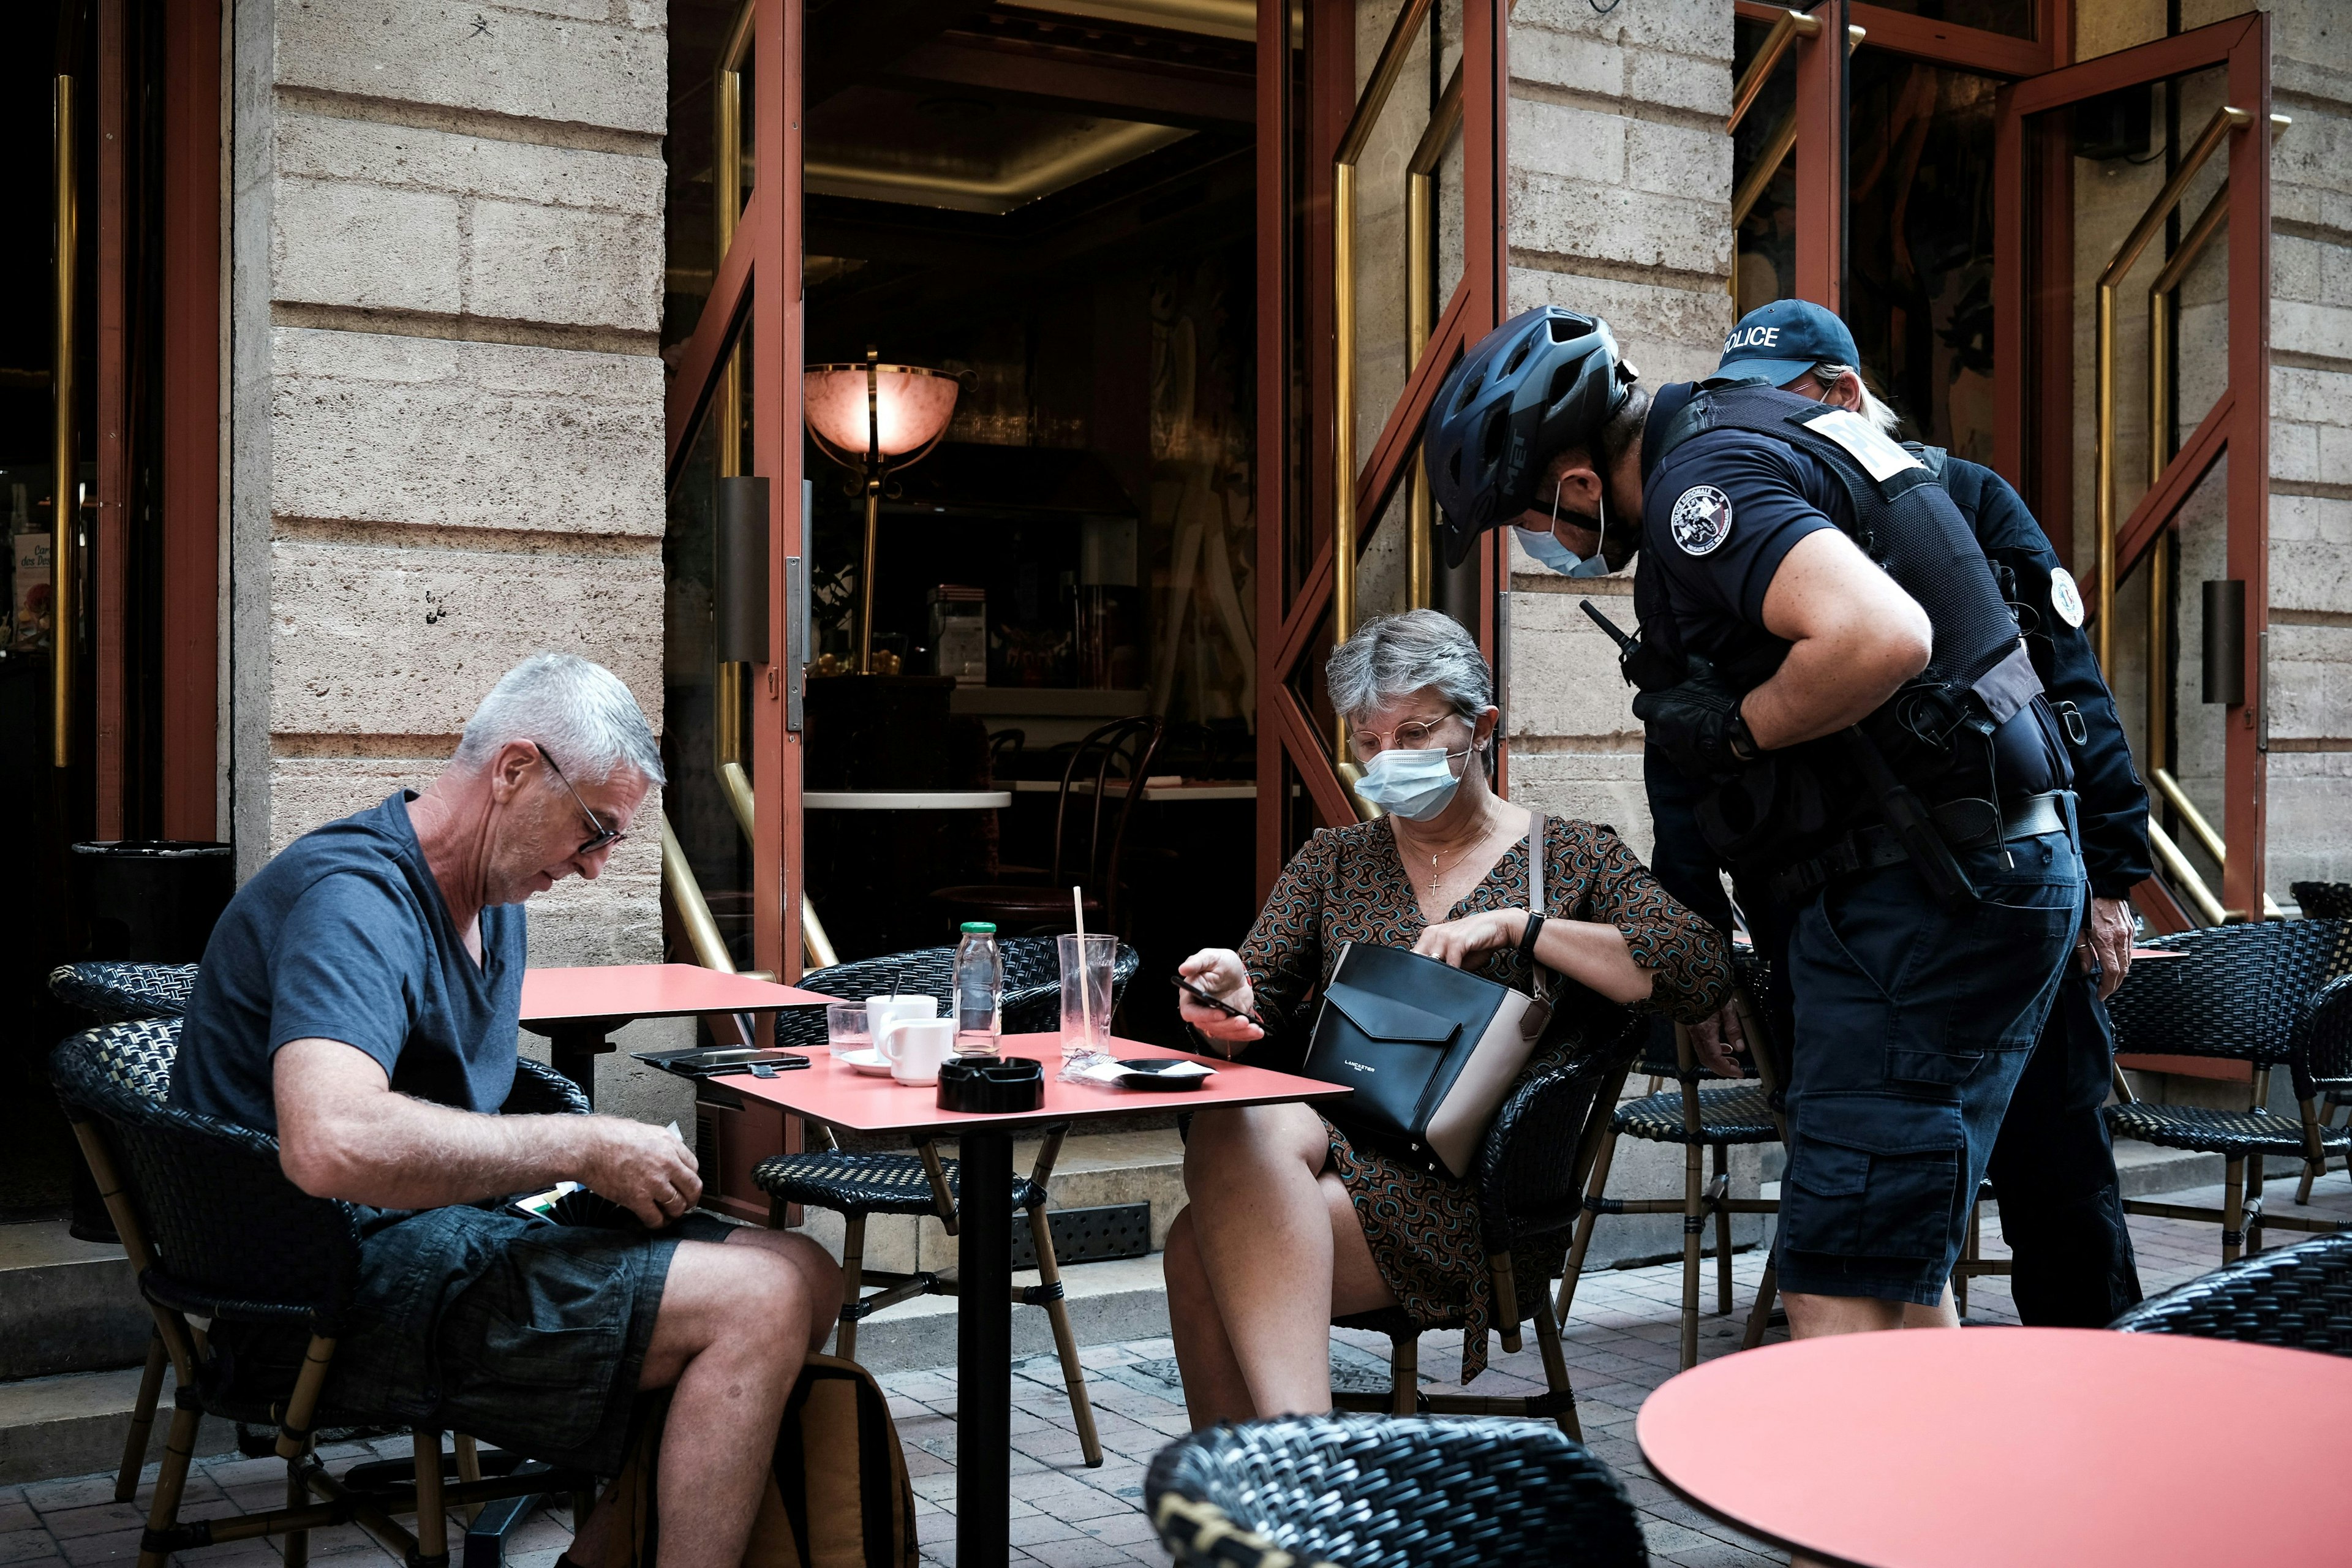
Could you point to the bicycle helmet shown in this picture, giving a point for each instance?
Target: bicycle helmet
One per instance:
(1546, 378)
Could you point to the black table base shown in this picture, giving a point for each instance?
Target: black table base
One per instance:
(984, 1350)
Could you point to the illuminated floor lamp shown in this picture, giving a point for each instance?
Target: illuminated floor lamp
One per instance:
(874, 419)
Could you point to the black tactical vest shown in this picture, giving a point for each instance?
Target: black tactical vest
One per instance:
(1972, 726)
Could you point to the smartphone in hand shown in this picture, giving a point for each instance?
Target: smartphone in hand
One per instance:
(1219, 1002)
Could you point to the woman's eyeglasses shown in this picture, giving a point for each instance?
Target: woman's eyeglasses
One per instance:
(1418, 736)
(600, 837)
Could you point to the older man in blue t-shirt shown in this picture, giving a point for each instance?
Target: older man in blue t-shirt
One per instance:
(359, 999)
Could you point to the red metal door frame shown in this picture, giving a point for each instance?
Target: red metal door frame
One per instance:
(2034, 306)
(1291, 286)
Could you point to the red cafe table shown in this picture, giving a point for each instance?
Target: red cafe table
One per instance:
(2026, 1448)
(577, 1010)
(830, 1092)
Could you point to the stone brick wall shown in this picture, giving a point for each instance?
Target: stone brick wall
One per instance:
(446, 403)
(1620, 189)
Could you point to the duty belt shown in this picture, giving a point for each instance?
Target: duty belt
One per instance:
(1870, 847)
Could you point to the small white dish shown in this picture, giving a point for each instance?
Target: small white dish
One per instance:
(872, 1062)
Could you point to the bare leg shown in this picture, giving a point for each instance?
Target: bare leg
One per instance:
(1944, 1314)
(1815, 1317)
(1265, 1232)
(735, 1324)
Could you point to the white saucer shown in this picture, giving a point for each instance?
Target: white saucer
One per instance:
(872, 1062)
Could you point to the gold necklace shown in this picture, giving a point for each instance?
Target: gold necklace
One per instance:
(1435, 855)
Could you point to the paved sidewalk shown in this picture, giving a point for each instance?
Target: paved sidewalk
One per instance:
(1619, 1346)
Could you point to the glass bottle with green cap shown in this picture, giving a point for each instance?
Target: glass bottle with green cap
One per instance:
(979, 991)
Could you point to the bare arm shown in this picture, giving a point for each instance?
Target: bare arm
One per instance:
(1588, 951)
(1855, 637)
(343, 1133)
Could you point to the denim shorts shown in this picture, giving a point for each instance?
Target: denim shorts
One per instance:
(524, 1333)
(1911, 1026)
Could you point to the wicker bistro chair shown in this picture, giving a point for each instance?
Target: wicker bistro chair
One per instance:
(2324, 901)
(2299, 1297)
(215, 1232)
(1698, 1117)
(1532, 1170)
(117, 991)
(1032, 984)
(2249, 993)
(1315, 1491)
(858, 1185)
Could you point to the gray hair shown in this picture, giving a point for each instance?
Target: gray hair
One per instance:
(1829, 373)
(576, 709)
(1395, 656)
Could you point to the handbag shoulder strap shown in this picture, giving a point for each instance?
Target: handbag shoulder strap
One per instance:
(1536, 856)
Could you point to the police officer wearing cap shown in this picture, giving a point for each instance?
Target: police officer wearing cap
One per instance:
(1834, 691)
(2052, 1165)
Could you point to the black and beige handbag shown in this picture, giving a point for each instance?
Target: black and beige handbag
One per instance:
(1429, 1049)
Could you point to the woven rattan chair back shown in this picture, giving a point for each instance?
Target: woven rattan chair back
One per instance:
(2322, 1055)
(231, 1236)
(1389, 1493)
(2323, 901)
(1033, 985)
(2239, 994)
(2299, 1297)
(117, 991)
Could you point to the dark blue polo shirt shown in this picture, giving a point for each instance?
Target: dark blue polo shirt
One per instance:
(1719, 513)
(344, 937)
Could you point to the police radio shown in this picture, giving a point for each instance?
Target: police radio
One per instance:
(1642, 669)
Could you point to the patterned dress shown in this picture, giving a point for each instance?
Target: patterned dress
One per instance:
(1349, 884)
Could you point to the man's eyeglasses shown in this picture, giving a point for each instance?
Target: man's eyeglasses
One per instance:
(1418, 736)
(600, 837)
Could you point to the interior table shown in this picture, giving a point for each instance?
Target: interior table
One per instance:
(578, 1010)
(906, 799)
(833, 1092)
(1933, 1448)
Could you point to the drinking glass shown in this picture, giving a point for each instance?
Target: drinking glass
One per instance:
(1086, 1033)
(845, 1029)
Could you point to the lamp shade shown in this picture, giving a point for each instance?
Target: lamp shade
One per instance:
(911, 408)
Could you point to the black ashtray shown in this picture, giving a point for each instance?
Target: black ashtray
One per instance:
(992, 1087)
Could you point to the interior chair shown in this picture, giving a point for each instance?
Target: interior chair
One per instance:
(116, 992)
(2249, 993)
(857, 1184)
(1101, 783)
(1530, 1174)
(2299, 1297)
(217, 1234)
(1742, 1112)
(1312, 1492)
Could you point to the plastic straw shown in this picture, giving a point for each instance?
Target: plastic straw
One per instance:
(1086, 984)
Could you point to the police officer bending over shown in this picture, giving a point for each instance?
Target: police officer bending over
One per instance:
(2052, 1165)
(1833, 685)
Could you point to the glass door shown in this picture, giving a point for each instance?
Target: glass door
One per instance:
(2131, 352)
(1380, 218)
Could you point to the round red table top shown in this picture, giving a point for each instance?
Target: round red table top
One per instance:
(1923, 1449)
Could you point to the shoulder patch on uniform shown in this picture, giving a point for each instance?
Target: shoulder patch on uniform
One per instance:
(2066, 597)
(1701, 519)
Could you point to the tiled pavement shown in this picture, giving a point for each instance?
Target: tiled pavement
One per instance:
(1620, 1345)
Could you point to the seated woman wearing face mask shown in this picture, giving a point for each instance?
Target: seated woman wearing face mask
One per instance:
(1285, 1216)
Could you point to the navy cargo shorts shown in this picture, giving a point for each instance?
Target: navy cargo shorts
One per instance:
(1913, 1025)
(527, 1333)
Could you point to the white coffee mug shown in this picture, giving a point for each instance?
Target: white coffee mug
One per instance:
(881, 1010)
(916, 1047)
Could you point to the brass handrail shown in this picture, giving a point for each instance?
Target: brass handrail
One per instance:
(2199, 828)
(693, 911)
(2225, 120)
(2184, 875)
(1789, 27)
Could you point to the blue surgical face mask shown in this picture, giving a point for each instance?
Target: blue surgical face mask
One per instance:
(1546, 547)
(1415, 786)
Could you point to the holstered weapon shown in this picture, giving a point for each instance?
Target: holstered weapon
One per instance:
(1903, 813)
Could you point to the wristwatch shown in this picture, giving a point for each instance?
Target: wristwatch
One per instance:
(1740, 739)
(1527, 937)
